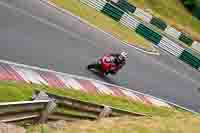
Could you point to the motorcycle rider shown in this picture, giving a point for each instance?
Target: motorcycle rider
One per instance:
(119, 60)
(110, 63)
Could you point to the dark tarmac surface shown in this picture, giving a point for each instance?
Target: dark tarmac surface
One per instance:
(34, 34)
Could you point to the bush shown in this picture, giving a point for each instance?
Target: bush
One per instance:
(191, 4)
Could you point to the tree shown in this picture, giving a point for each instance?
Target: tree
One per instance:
(191, 4)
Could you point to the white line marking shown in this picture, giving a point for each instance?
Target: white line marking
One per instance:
(89, 79)
(62, 29)
(86, 22)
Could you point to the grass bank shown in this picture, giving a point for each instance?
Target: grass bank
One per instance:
(12, 91)
(105, 23)
(174, 13)
(163, 120)
(179, 123)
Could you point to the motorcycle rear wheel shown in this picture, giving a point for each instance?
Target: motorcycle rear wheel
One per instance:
(97, 68)
(92, 66)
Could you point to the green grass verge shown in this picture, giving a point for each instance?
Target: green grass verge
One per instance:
(179, 123)
(164, 120)
(105, 23)
(172, 12)
(11, 91)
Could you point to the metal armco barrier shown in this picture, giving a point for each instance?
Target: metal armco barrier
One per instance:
(128, 21)
(124, 5)
(42, 110)
(112, 12)
(186, 39)
(159, 23)
(17, 111)
(146, 17)
(171, 47)
(85, 106)
(188, 57)
(148, 34)
(97, 4)
(196, 46)
(168, 44)
(172, 32)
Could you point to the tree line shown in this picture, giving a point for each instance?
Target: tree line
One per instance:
(193, 6)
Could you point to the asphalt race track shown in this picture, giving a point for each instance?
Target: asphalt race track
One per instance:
(35, 34)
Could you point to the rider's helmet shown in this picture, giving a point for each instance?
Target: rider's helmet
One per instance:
(124, 55)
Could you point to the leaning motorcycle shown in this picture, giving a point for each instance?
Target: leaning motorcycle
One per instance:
(104, 66)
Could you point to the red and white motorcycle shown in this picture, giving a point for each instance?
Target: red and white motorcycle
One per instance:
(105, 66)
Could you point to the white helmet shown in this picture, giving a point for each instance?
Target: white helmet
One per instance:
(124, 54)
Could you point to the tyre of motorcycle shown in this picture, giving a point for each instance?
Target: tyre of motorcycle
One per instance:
(95, 66)
(112, 72)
